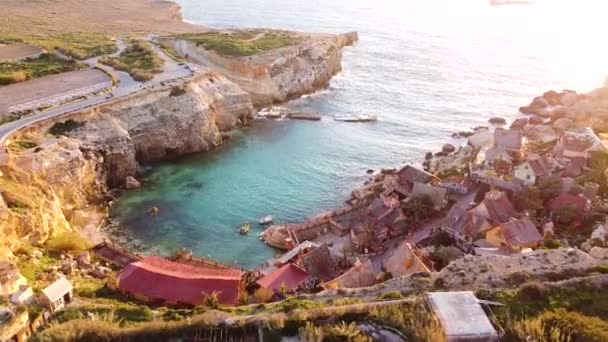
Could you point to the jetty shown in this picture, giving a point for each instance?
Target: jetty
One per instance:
(304, 116)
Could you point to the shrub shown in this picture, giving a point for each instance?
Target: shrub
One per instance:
(443, 255)
(139, 60)
(61, 128)
(21, 145)
(263, 295)
(177, 91)
(390, 295)
(566, 214)
(560, 325)
(211, 300)
(550, 187)
(528, 199)
(68, 241)
(533, 290)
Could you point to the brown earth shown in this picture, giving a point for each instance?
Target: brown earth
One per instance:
(109, 16)
(49, 86)
(18, 51)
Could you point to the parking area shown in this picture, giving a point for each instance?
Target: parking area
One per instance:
(15, 52)
(51, 90)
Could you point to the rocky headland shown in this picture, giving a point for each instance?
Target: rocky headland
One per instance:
(55, 169)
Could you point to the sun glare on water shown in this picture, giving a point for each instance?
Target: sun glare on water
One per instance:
(569, 35)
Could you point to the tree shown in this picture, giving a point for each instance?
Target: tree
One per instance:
(443, 255)
(419, 207)
(528, 199)
(211, 300)
(550, 187)
(566, 214)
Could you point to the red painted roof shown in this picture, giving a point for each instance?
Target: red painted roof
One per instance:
(159, 278)
(520, 232)
(288, 274)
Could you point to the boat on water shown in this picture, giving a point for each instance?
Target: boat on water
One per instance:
(266, 220)
(356, 118)
(245, 229)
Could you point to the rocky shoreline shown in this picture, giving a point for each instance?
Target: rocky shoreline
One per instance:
(103, 147)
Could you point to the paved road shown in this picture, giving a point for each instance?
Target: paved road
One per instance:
(172, 70)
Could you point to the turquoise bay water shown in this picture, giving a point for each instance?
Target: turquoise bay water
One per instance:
(427, 68)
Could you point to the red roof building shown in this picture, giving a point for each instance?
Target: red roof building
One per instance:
(580, 203)
(154, 278)
(496, 208)
(521, 233)
(288, 275)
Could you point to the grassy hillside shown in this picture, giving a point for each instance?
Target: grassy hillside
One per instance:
(241, 43)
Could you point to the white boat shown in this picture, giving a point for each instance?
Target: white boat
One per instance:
(266, 219)
(356, 118)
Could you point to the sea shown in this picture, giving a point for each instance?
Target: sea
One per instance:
(426, 68)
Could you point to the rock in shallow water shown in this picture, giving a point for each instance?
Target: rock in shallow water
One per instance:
(132, 183)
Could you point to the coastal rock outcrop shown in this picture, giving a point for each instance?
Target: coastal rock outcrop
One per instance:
(158, 124)
(38, 185)
(45, 179)
(281, 74)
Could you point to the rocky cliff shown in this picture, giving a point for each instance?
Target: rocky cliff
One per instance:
(46, 178)
(281, 74)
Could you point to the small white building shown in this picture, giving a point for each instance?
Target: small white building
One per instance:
(57, 295)
(25, 296)
(525, 173)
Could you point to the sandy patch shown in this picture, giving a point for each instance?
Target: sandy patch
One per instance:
(108, 16)
(15, 52)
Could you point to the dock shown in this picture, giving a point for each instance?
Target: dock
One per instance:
(304, 116)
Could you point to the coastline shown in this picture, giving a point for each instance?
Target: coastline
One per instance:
(109, 155)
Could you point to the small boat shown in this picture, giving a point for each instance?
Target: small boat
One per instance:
(355, 118)
(266, 220)
(244, 229)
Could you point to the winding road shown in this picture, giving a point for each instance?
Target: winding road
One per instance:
(126, 85)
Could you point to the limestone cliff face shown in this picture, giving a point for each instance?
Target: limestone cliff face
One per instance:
(43, 186)
(164, 123)
(278, 75)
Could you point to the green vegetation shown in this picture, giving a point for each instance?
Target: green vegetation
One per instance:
(418, 208)
(390, 295)
(76, 45)
(87, 287)
(413, 319)
(33, 269)
(61, 128)
(550, 187)
(528, 199)
(46, 64)
(561, 325)
(170, 51)
(177, 91)
(139, 60)
(579, 311)
(242, 43)
(68, 241)
(443, 255)
(22, 144)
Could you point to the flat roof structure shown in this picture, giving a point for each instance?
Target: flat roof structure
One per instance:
(462, 316)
